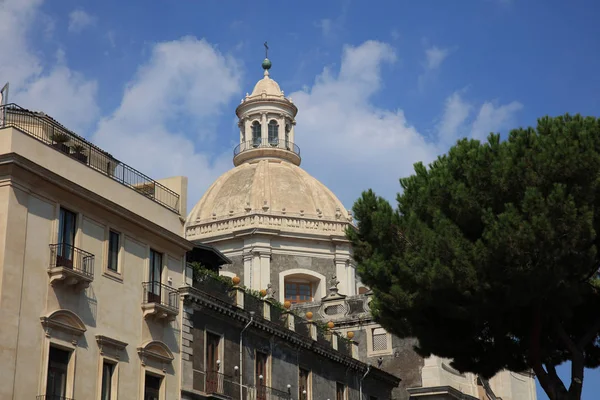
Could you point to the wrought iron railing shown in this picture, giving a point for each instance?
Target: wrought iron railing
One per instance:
(266, 143)
(269, 393)
(52, 397)
(50, 132)
(156, 292)
(218, 383)
(67, 256)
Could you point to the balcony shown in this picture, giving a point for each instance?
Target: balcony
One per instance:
(52, 397)
(70, 266)
(266, 148)
(161, 302)
(48, 131)
(221, 386)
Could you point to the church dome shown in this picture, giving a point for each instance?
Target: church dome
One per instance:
(268, 86)
(268, 187)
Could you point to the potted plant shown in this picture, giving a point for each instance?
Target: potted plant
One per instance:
(78, 153)
(60, 139)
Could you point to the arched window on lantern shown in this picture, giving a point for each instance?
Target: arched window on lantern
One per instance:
(273, 133)
(256, 134)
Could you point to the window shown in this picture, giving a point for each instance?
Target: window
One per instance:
(340, 391)
(108, 370)
(58, 364)
(114, 239)
(212, 362)
(67, 227)
(298, 292)
(379, 339)
(261, 375)
(303, 389)
(256, 134)
(152, 385)
(273, 132)
(154, 276)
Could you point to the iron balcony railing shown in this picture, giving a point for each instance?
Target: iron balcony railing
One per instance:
(218, 383)
(52, 397)
(67, 256)
(156, 292)
(229, 386)
(268, 393)
(53, 134)
(266, 143)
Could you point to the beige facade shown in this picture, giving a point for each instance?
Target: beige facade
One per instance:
(78, 248)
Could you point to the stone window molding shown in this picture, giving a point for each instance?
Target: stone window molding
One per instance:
(319, 281)
(379, 342)
(64, 321)
(110, 346)
(155, 350)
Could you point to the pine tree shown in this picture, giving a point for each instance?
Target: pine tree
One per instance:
(491, 258)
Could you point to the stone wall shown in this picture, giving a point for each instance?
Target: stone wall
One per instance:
(288, 351)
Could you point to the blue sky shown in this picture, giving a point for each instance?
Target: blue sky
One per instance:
(379, 85)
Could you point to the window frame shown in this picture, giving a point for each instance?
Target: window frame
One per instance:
(308, 383)
(114, 380)
(344, 391)
(256, 133)
(371, 352)
(118, 267)
(297, 283)
(273, 132)
(61, 231)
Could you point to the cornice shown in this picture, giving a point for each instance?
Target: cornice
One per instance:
(18, 161)
(289, 225)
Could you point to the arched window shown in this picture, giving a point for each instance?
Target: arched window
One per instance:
(273, 133)
(256, 134)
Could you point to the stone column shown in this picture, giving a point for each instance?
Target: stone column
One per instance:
(341, 274)
(264, 127)
(281, 131)
(265, 269)
(248, 125)
(247, 257)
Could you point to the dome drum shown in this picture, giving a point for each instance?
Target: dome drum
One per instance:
(263, 148)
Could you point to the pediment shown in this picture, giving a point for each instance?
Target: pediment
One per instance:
(156, 350)
(64, 320)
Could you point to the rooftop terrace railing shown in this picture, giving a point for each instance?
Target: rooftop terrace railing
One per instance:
(50, 132)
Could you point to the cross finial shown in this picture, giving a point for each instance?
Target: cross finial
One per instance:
(266, 50)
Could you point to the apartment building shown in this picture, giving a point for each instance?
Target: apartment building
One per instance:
(91, 256)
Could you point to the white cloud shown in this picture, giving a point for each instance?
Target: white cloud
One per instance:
(184, 85)
(456, 112)
(493, 118)
(79, 20)
(457, 120)
(434, 57)
(346, 141)
(50, 86)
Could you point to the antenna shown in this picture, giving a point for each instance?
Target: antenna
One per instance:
(266, 50)
(3, 102)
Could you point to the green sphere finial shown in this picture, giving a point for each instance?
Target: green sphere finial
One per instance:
(266, 64)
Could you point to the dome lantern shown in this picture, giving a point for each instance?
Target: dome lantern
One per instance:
(266, 121)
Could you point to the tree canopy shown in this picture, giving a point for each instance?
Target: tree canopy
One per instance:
(491, 258)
